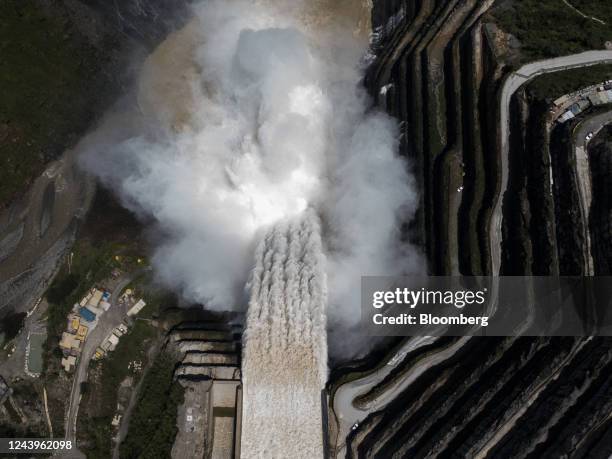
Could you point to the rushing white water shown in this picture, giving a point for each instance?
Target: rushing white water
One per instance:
(252, 121)
(285, 346)
(251, 114)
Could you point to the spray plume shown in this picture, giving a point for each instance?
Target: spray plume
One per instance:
(252, 114)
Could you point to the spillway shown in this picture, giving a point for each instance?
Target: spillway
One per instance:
(285, 347)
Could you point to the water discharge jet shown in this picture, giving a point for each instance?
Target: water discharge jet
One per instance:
(285, 344)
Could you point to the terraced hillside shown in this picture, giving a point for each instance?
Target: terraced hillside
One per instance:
(435, 74)
(601, 211)
(505, 190)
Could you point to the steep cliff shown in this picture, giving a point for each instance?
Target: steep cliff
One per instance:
(601, 212)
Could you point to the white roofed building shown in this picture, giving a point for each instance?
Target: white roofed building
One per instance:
(136, 308)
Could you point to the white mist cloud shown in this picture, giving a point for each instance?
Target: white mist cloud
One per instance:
(277, 123)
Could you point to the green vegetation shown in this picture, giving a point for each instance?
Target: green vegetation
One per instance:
(554, 85)
(61, 288)
(131, 347)
(25, 390)
(51, 82)
(153, 423)
(101, 394)
(16, 431)
(27, 397)
(157, 299)
(98, 431)
(548, 28)
(156, 303)
(600, 9)
(13, 415)
(108, 221)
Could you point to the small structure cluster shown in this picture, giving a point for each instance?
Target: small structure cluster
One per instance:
(110, 342)
(94, 304)
(135, 365)
(134, 306)
(81, 320)
(577, 102)
(116, 420)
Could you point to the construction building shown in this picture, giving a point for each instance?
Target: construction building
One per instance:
(87, 314)
(111, 341)
(94, 304)
(85, 299)
(91, 306)
(68, 363)
(594, 95)
(210, 417)
(81, 332)
(226, 402)
(96, 297)
(73, 323)
(70, 344)
(136, 308)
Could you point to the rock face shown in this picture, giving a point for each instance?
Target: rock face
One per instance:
(601, 212)
(435, 73)
(438, 71)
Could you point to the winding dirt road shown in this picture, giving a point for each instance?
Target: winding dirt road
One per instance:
(348, 414)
